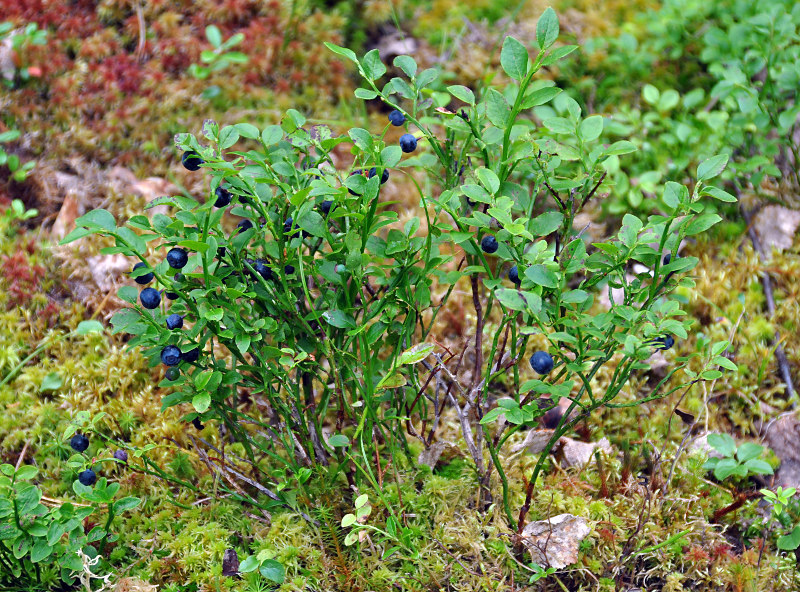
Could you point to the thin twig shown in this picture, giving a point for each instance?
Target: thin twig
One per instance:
(780, 354)
(22, 455)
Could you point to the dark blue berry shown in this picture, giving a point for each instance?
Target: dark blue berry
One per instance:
(513, 275)
(174, 321)
(262, 269)
(87, 477)
(489, 244)
(384, 174)
(177, 258)
(121, 455)
(325, 207)
(171, 295)
(143, 279)
(396, 118)
(191, 160)
(667, 258)
(171, 355)
(150, 298)
(197, 424)
(244, 225)
(664, 343)
(79, 442)
(191, 356)
(289, 269)
(408, 143)
(542, 362)
(221, 252)
(223, 197)
(172, 374)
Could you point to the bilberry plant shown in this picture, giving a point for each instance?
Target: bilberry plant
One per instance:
(341, 342)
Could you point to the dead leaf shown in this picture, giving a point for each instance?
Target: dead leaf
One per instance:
(555, 542)
(776, 227)
(65, 221)
(230, 563)
(535, 441)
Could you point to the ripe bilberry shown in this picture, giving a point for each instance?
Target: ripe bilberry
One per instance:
(143, 279)
(87, 477)
(542, 362)
(384, 174)
(171, 295)
(489, 244)
(289, 269)
(667, 258)
(325, 207)
(197, 424)
(663, 343)
(121, 455)
(174, 321)
(79, 442)
(223, 197)
(408, 143)
(191, 160)
(150, 298)
(177, 258)
(171, 355)
(191, 356)
(513, 275)
(244, 225)
(396, 118)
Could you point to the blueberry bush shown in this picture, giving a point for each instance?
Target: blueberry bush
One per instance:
(318, 303)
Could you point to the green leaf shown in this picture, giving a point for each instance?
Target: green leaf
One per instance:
(488, 179)
(544, 224)
(540, 97)
(228, 136)
(9, 136)
(100, 218)
(348, 520)
(650, 94)
(722, 443)
(365, 93)
(372, 65)
(273, 571)
(201, 402)
(86, 327)
(250, 563)
(26, 473)
(790, 542)
(591, 128)
(339, 319)
(547, 29)
(125, 504)
(497, 109)
(514, 59)
(758, 467)
(51, 382)
(748, 450)
(271, 135)
(247, 130)
(541, 276)
(416, 354)
(41, 550)
(559, 125)
(338, 440)
(718, 194)
(213, 35)
(702, 223)
(342, 51)
(406, 64)
(462, 93)
(621, 147)
(708, 169)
